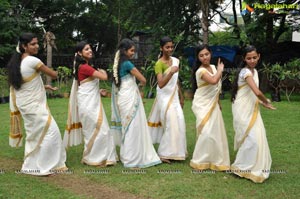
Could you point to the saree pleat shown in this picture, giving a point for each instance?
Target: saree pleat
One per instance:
(73, 132)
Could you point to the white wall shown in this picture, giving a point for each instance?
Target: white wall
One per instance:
(296, 36)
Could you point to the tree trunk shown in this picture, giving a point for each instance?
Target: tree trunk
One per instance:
(236, 29)
(269, 28)
(269, 33)
(49, 62)
(204, 7)
(281, 28)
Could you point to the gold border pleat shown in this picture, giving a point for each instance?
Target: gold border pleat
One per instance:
(252, 121)
(95, 133)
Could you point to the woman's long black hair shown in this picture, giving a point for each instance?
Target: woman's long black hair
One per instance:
(234, 88)
(197, 64)
(14, 64)
(120, 57)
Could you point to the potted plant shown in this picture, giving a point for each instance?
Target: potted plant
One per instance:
(63, 80)
(4, 88)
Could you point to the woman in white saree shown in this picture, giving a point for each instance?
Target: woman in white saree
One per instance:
(211, 149)
(253, 159)
(44, 151)
(86, 113)
(166, 119)
(129, 123)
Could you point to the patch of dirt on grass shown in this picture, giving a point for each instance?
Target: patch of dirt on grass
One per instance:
(83, 186)
(9, 164)
(73, 183)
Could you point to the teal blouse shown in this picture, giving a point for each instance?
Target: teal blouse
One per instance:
(126, 67)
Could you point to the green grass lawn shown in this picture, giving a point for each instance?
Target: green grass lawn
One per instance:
(169, 181)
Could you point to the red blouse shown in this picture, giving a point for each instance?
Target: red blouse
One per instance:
(85, 71)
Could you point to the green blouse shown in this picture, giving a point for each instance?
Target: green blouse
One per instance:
(160, 67)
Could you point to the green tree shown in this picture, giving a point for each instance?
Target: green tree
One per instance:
(99, 25)
(171, 17)
(69, 20)
(265, 26)
(14, 20)
(59, 17)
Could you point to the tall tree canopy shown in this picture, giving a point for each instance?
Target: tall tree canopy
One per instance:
(177, 19)
(103, 23)
(264, 25)
(14, 19)
(69, 20)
